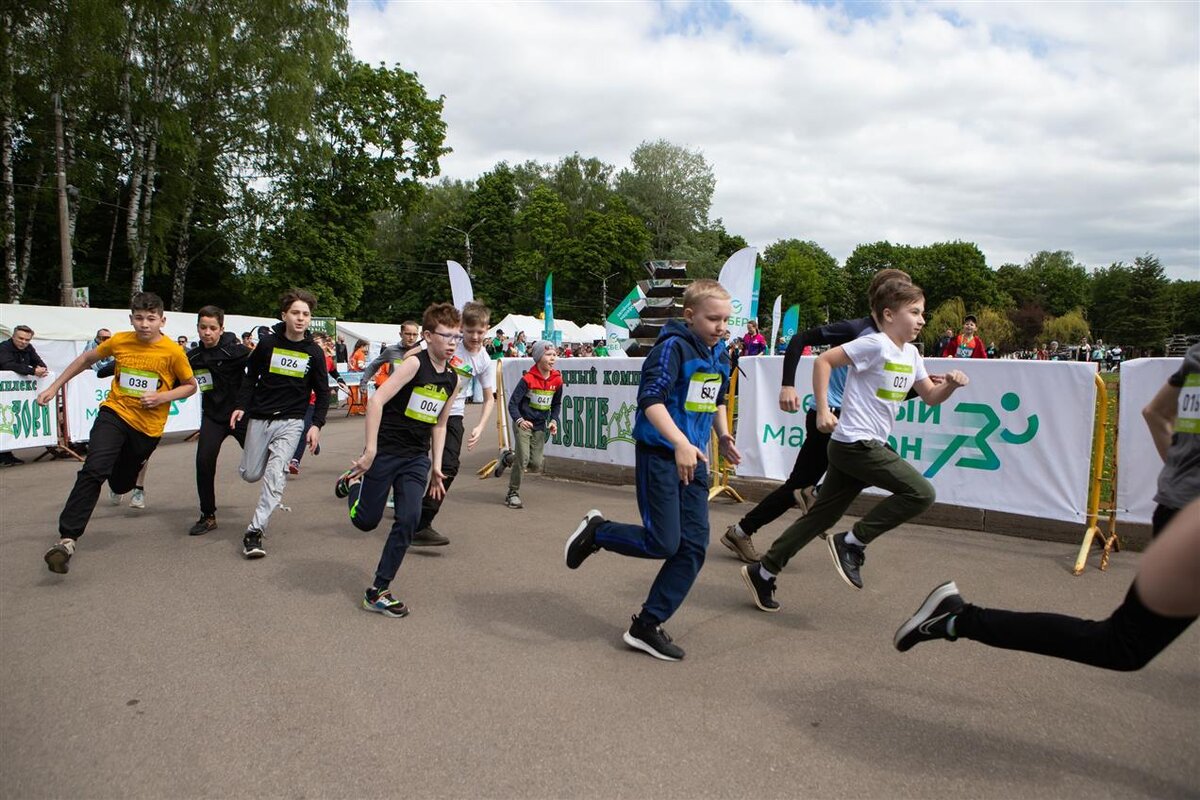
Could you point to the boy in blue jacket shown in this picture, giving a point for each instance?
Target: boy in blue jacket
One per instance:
(681, 396)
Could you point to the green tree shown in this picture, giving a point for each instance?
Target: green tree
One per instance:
(952, 269)
(996, 328)
(671, 187)
(860, 268)
(802, 272)
(1182, 299)
(1059, 283)
(1067, 330)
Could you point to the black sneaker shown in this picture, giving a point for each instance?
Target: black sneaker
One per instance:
(931, 618)
(203, 525)
(848, 558)
(341, 489)
(9, 460)
(58, 556)
(428, 537)
(582, 543)
(652, 639)
(504, 462)
(252, 546)
(763, 591)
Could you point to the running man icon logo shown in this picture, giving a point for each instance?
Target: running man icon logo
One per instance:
(987, 458)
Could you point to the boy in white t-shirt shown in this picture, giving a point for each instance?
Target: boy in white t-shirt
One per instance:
(475, 362)
(883, 366)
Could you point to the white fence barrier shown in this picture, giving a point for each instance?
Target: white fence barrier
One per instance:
(23, 423)
(1138, 463)
(85, 392)
(1018, 438)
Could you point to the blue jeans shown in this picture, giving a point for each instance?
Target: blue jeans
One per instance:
(406, 476)
(674, 529)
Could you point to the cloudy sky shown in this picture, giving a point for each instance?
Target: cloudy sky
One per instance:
(1018, 126)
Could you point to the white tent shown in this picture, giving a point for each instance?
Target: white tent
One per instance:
(533, 328)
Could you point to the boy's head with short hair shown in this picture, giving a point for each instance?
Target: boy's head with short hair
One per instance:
(146, 316)
(895, 294)
(296, 307)
(970, 325)
(544, 354)
(146, 301)
(292, 295)
(212, 312)
(475, 319)
(706, 309)
(440, 326)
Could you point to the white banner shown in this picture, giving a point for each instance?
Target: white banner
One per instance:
(85, 393)
(460, 284)
(737, 276)
(23, 423)
(598, 407)
(1017, 439)
(1138, 463)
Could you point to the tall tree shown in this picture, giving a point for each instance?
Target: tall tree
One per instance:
(671, 187)
(1059, 283)
(804, 273)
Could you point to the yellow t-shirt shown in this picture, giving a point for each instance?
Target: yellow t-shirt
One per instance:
(142, 369)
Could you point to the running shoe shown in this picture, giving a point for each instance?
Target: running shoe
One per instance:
(652, 639)
(847, 558)
(137, 499)
(342, 487)
(252, 544)
(293, 467)
(428, 537)
(741, 546)
(382, 602)
(761, 589)
(206, 523)
(932, 618)
(582, 543)
(114, 499)
(58, 556)
(513, 500)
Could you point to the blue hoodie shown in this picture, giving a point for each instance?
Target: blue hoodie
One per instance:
(686, 376)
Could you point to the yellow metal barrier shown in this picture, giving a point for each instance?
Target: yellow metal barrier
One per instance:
(501, 428)
(720, 470)
(1109, 543)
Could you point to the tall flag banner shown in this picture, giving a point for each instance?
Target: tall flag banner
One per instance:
(775, 331)
(791, 323)
(460, 285)
(548, 309)
(621, 322)
(737, 276)
(755, 293)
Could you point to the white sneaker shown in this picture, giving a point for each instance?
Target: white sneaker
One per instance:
(114, 499)
(137, 499)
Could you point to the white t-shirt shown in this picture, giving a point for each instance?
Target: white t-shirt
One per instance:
(880, 376)
(483, 368)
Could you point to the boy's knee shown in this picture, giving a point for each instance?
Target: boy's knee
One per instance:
(924, 495)
(252, 475)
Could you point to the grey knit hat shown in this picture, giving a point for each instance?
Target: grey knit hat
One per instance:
(538, 349)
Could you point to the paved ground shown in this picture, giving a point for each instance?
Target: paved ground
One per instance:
(167, 666)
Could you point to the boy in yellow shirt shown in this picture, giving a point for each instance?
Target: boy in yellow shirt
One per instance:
(152, 371)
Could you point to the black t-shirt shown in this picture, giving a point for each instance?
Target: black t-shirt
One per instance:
(408, 418)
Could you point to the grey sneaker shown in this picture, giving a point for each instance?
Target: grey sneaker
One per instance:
(513, 500)
(137, 499)
(741, 546)
(114, 499)
(428, 537)
(58, 556)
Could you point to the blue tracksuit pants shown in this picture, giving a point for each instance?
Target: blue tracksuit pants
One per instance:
(674, 529)
(407, 477)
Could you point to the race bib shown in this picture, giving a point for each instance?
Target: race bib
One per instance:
(703, 389)
(965, 351)
(1188, 419)
(897, 380)
(204, 380)
(424, 405)
(136, 382)
(541, 399)
(289, 363)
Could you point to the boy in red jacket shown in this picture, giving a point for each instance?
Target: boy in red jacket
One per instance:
(966, 344)
(534, 408)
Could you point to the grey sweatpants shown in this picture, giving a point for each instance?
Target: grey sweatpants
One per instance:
(269, 445)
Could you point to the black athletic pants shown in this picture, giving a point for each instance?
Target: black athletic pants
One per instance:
(454, 440)
(811, 463)
(1126, 641)
(116, 453)
(208, 447)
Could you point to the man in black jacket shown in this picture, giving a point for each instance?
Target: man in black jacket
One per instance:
(17, 355)
(219, 364)
(282, 373)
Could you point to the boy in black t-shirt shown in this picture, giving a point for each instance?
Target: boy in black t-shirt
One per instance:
(403, 415)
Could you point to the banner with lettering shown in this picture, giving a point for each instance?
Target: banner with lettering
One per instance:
(1018, 438)
(85, 392)
(598, 407)
(23, 423)
(1138, 462)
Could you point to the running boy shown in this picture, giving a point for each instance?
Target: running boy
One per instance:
(883, 367)
(284, 370)
(534, 407)
(410, 409)
(966, 344)
(475, 362)
(681, 396)
(219, 364)
(151, 373)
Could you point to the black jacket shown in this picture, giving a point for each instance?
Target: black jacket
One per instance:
(276, 395)
(22, 362)
(226, 365)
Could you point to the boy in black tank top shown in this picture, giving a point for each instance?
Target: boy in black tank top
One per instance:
(407, 412)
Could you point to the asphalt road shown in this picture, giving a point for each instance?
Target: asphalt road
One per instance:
(166, 665)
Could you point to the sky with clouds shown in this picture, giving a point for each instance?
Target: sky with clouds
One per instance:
(1020, 126)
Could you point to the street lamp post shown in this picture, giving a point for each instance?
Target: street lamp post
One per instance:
(604, 291)
(467, 236)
